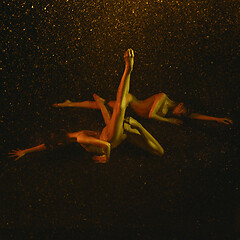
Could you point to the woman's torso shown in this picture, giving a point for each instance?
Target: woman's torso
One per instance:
(89, 147)
(159, 101)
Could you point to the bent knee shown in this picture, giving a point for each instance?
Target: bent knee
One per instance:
(160, 152)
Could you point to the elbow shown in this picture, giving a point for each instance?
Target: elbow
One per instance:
(160, 151)
(157, 150)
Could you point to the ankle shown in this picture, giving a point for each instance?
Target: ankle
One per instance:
(128, 68)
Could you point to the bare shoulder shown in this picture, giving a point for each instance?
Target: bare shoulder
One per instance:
(168, 99)
(88, 133)
(84, 133)
(162, 96)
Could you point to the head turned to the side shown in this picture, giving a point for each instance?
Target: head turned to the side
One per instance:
(180, 110)
(57, 138)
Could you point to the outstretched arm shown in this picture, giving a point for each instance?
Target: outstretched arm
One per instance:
(20, 153)
(209, 118)
(169, 120)
(95, 142)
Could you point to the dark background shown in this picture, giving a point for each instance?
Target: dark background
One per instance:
(57, 50)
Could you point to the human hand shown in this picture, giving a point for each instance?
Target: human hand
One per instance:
(17, 153)
(224, 120)
(100, 159)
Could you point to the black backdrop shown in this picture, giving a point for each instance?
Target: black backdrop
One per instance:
(57, 50)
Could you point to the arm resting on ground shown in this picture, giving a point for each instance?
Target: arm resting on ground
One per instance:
(209, 118)
(20, 153)
(169, 120)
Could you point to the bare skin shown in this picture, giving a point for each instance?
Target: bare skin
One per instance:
(155, 107)
(115, 131)
(133, 130)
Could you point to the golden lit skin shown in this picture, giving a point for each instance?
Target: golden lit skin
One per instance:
(117, 128)
(155, 107)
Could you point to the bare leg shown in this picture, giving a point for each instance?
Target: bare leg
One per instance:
(144, 108)
(114, 130)
(138, 135)
(105, 113)
(84, 104)
(130, 99)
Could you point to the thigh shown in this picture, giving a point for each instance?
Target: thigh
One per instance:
(112, 138)
(113, 131)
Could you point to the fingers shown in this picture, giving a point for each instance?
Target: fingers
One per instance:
(13, 152)
(227, 121)
(16, 153)
(18, 157)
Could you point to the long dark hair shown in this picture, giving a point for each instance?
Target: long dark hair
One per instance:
(57, 138)
(170, 113)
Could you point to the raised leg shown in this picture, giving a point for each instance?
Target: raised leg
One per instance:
(105, 113)
(130, 100)
(114, 129)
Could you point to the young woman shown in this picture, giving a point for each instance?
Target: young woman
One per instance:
(116, 130)
(158, 107)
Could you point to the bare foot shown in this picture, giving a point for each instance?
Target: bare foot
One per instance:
(129, 59)
(67, 103)
(97, 98)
